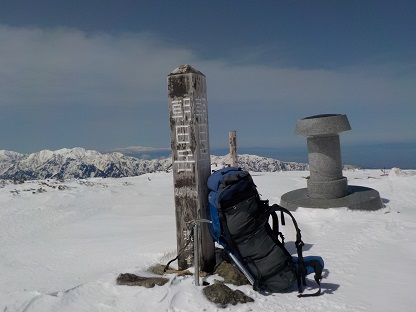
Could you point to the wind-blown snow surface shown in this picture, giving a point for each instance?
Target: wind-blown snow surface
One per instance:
(63, 244)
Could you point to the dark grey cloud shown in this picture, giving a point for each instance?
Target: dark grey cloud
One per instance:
(64, 87)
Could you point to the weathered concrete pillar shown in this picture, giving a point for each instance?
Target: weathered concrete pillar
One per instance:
(324, 153)
(326, 187)
(232, 135)
(191, 161)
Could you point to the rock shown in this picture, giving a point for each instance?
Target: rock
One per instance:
(231, 274)
(223, 295)
(158, 269)
(130, 279)
(179, 272)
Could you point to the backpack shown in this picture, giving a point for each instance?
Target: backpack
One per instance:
(240, 224)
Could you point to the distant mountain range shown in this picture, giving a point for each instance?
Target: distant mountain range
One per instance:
(81, 164)
(369, 155)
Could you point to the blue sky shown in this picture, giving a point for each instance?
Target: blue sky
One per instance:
(93, 73)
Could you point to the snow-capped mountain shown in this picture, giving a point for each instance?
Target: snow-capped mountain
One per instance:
(80, 163)
(74, 163)
(259, 164)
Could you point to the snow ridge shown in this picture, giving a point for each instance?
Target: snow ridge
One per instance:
(74, 163)
(80, 163)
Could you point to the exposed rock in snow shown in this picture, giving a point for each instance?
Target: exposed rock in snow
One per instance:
(397, 172)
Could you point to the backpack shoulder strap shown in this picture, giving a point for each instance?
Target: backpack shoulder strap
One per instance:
(275, 208)
(301, 272)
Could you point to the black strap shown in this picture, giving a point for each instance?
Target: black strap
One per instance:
(276, 207)
(317, 267)
(224, 226)
(318, 276)
(191, 234)
(275, 227)
(315, 294)
(299, 243)
(301, 272)
(231, 244)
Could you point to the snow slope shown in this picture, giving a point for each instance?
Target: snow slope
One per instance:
(63, 244)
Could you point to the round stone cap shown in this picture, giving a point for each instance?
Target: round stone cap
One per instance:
(321, 125)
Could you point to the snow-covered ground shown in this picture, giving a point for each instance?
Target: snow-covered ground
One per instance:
(63, 244)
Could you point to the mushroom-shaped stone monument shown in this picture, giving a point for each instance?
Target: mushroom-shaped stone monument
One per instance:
(326, 187)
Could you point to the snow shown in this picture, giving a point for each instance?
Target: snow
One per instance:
(63, 244)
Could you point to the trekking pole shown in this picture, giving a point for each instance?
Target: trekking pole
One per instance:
(242, 269)
(197, 225)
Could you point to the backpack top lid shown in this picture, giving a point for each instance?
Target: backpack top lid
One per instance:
(221, 177)
(230, 186)
(216, 185)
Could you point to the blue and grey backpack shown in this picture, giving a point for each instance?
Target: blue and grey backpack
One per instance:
(240, 223)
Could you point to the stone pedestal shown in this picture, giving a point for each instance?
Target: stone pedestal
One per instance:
(326, 186)
(324, 153)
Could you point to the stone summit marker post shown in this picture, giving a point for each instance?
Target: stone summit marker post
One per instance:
(191, 162)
